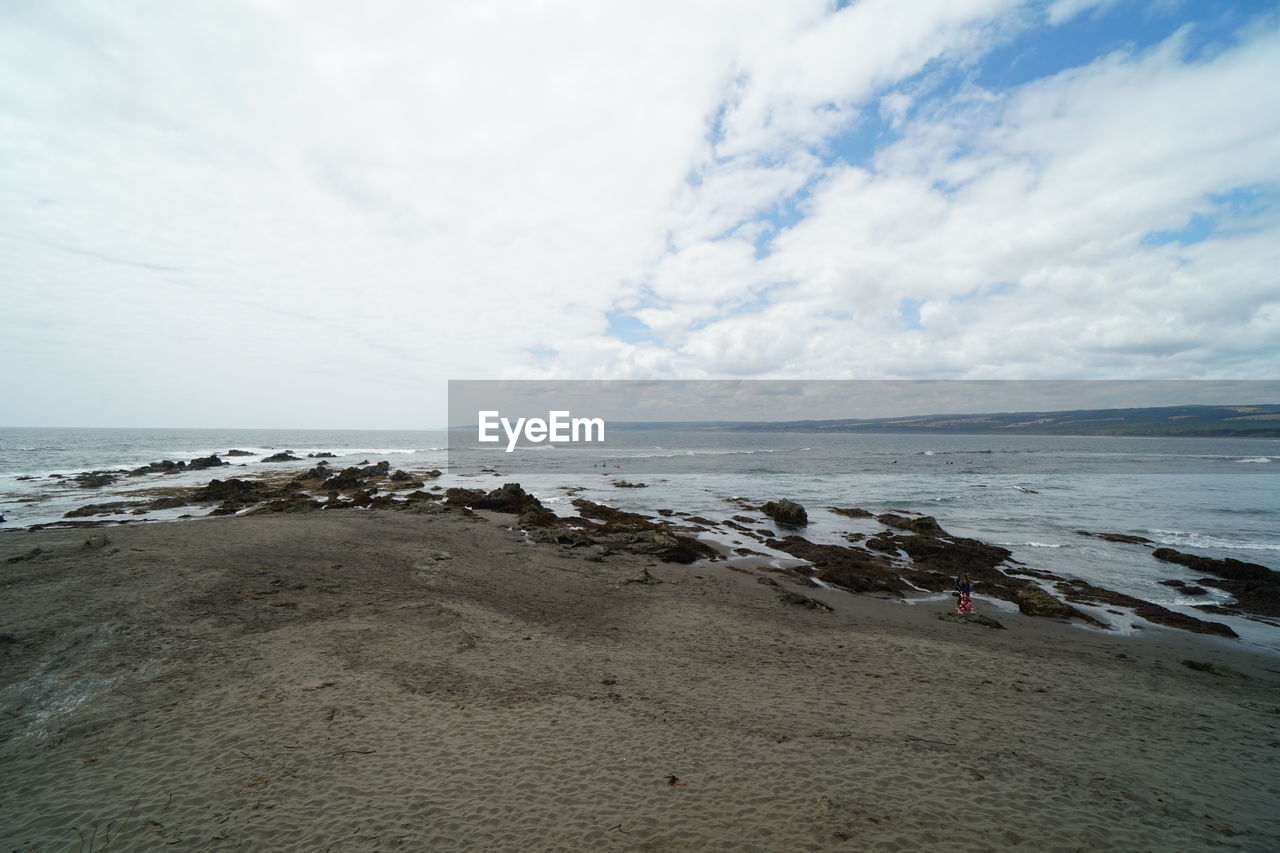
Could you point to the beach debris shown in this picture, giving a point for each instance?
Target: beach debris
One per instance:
(675, 781)
(1212, 668)
(1259, 707)
(786, 512)
(313, 686)
(97, 540)
(644, 578)
(970, 619)
(789, 597)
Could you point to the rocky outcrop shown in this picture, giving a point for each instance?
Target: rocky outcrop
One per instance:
(926, 525)
(1126, 538)
(234, 452)
(164, 466)
(1034, 601)
(614, 529)
(282, 456)
(96, 479)
(206, 462)
(510, 498)
(103, 509)
(356, 477)
(850, 512)
(235, 491)
(970, 619)
(1080, 592)
(786, 512)
(853, 569)
(1255, 587)
(323, 454)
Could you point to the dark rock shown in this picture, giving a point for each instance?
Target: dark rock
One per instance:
(510, 498)
(291, 503)
(1256, 588)
(925, 525)
(970, 619)
(232, 490)
(1034, 601)
(1084, 593)
(283, 456)
(666, 512)
(849, 568)
(1213, 669)
(850, 512)
(323, 454)
(623, 484)
(786, 512)
(1125, 538)
(102, 509)
(164, 466)
(805, 601)
(234, 452)
(591, 509)
(400, 476)
(887, 546)
(168, 503)
(205, 462)
(95, 479)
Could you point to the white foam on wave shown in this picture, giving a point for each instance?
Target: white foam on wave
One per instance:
(1201, 540)
(1033, 544)
(1258, 459)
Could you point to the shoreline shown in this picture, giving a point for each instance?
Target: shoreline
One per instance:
(379, 679)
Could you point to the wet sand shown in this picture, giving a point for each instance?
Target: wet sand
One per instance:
(380, 680)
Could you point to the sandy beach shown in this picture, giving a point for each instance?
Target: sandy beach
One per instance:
(380, 680)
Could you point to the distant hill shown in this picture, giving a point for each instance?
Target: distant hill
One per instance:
(1253, 421)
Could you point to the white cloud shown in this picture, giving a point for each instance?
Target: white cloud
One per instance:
(1019, 221)
(250, 213)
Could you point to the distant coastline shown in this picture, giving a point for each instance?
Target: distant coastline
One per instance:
(1236, 421)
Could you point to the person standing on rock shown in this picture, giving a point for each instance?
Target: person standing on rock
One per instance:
(965, 588)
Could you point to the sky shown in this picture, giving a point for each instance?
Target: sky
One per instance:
(258, 213)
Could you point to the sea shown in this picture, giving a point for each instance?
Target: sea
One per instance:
(1216, 497)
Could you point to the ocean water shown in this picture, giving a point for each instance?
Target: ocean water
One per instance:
(1215, 497)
